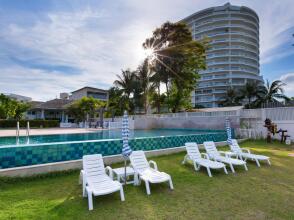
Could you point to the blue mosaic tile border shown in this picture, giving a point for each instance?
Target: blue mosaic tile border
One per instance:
(41, 154)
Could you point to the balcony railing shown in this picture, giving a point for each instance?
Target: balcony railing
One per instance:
(213, 27)
(224, 19)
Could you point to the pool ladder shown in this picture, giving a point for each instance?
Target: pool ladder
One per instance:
(17, 133)
(27, 133)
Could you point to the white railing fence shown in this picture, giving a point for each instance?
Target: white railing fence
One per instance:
(275, 114)
(250, 133)
(189, 114)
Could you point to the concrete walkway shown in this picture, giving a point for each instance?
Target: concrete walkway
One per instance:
(47, 131)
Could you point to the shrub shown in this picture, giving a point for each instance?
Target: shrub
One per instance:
(33, 123)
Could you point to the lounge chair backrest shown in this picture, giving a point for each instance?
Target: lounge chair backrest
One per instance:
(193, 150)
(93, 165)
(235, 146)
(139, 161)
(211, 148)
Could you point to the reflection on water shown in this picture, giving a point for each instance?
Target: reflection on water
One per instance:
(97, 135)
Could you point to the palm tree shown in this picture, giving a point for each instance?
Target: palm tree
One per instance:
(273, 92)
(251, 91)
(144, 82)
(126, 82)
(232, 98)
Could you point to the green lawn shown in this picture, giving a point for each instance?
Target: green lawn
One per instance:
(260, 193)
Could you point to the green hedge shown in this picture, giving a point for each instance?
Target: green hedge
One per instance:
(33, 123)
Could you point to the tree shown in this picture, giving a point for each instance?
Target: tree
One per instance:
(84, 108)
(157, 100)
(232, 98)
(176, 60)
(117, 102)
(179, 100)
(10, 108)
(6, 107)
(273, 92)
(126, 82)
(20, 109)
(251, 92)
(144, 82)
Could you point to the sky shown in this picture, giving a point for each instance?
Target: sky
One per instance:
(53, 46)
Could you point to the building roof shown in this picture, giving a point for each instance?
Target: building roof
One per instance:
(221, 8)
(90, 88)
(53, 104)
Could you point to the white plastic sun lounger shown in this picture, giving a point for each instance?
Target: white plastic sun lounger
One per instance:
(144, 172)
(95, 180)
(245, 154)
(221, 156)
(194, 155)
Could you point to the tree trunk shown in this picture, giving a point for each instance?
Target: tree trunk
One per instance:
(158, 100)
(249, 102)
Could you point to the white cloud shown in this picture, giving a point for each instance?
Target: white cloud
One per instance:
(288, 79)
(75, 39)
(68, 40)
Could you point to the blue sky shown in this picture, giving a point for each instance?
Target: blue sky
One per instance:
(53, 46)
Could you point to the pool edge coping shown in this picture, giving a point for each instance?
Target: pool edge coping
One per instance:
(32, 170)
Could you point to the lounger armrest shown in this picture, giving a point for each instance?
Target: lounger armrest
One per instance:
(154, 164)
(205, 155)
(110, 172)
(245, 150)
(226, 153)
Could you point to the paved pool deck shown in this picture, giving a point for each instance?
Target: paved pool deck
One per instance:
(47, 131)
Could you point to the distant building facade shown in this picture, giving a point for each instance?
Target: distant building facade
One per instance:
(233, 56)
(56, 109)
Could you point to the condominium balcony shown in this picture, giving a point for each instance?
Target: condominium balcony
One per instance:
(214, 27)
(214, 20)
(238, 33)
(226, 69)
(213, 49)
(213, 84)
(246, 63)
(235, 15)
(231, 76)
(236, 40)
(228, 54)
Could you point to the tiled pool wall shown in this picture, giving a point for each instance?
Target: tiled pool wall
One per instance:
(47, 153)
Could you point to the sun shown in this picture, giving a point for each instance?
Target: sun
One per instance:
(149, 52)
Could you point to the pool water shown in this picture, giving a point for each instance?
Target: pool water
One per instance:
(99, 135)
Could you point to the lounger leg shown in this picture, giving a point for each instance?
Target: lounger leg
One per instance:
(185, 158)
(225, 169)
(232, 168)
(196, 167)
(208, 171)
(136, 179)
(171, 186)
(122, 195)
(84, 189)
(90, 199)
(139, 181)
(257, 162)
(147, 187)
(245, 166)
(269, 163)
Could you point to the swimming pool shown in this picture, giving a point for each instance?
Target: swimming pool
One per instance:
(59, 148)
(98, 135)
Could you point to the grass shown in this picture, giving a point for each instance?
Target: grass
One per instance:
(260, 193)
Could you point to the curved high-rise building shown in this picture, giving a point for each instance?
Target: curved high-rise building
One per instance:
(233, 55)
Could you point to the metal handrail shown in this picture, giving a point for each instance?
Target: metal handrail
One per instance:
(17, 132)
(28, 132)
